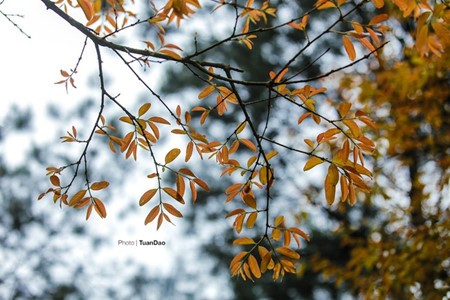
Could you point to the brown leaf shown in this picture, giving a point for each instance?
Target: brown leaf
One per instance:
(152, 214)
(100, 185)
(147, 196)
(172, 210)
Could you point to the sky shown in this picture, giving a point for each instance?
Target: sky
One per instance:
(29, 68)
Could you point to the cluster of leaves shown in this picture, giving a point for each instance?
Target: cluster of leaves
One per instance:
(341, 143)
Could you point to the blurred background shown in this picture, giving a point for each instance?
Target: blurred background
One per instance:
(393, 244)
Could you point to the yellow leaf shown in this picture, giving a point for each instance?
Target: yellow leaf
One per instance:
(271, 154)
(254, 267)
(206, 91)
(349, 48)
(147, 196)
(263, 175)
(96, 186)
(312, 162)
(276, 234)
(279, 220)
(171, 155)
(330, 183)
(143, 109)
(172, 210)
(152, 214)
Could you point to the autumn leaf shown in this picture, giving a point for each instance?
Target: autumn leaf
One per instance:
(143, 109)
(96, 186)
(87, 8)
(250, 200)
(147, 196)
(152, 214)
(312, 162)
(288, 252)
(172, 210)
(172, 155)
(330, 183)
(206, 91)
(349, 48)
(99, 207)
(254, 267)
(243, 241)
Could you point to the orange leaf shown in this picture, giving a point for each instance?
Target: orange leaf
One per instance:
(378, 3)
(206, 91)
(288, 252)
(159, 120)
(96, 186)
(344, 108)
(252, 219)
(170, 53)
(88, 212)
(235, 212)
(172, 193)
(243, 241)
(152, 214)
(77, 197)
(87, 8)
(55, 180)
(147, 196)
(100, 207)
(201, 183)
(300, 233)
(172, 210)
(312, 162)
(249, 144)
(378, 18)
(349, 48)
(265, 261)
(171, 155)
(160, 220)
(250, 200)
(254, 267)
(354, 128)
(238, 258)
(189, 150)
(344, 188)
